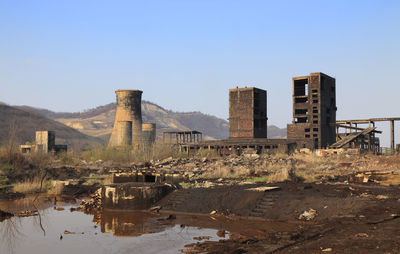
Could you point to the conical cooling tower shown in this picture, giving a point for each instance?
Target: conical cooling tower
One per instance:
(128, 118)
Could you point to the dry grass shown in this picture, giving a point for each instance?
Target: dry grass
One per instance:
(206, 153)
(279, 176)
(31, 186)
(221, 172)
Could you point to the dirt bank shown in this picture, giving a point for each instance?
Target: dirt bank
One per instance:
(340, 218)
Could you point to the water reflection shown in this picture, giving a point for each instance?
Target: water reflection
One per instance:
(10, 232)
(131, 223)
(107, 232)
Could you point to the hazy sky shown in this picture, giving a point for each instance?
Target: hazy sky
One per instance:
(185, 55)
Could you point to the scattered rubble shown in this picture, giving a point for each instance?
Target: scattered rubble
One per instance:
(93, 204)
(308, 215)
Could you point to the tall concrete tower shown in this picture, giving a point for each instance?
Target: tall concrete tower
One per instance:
(128, 119)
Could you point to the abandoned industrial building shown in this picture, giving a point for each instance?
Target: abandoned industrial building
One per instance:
(247, 113)
(313, 126)
(45, 142)
(314, 111)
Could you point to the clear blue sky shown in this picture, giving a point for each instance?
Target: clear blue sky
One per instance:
(185, 55)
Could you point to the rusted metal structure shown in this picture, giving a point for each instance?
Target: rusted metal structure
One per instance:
(247, 113)
(352, 124)
(363, 139)
(148, 134)
(182, 137)
(314, 111)
(128, 119)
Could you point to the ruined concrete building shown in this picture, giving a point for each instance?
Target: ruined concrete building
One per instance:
(247, 113)
(128, 124)
(314, 111)
(313, 126)
(45, 142)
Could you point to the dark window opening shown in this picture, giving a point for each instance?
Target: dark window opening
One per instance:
(301, 111)
(315, 135)
(315, 121)
(274, 146)
(301, 100)
(307, 135)
(315, 116)
(314, 91)
(315, 129)
(315, 111)
(149, 178)
(268, 147)
(301, 87)
(301, 119)
(315, 95)
(315, 101)
(307, 130)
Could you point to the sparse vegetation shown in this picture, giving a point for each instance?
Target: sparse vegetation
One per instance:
(206, 153)
(258, 179)
(33, 185)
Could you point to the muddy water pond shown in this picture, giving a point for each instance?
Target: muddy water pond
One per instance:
(57, 229)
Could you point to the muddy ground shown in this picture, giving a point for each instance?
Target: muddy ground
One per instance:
(348, 217)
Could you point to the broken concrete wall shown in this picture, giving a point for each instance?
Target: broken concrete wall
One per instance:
(133, 196)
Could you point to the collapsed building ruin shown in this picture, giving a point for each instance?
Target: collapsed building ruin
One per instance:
(129, 130)
(45, 142)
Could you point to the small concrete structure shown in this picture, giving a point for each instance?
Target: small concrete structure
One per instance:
(138, 189)
(149, 176)
(133, 196)
(182, 137)
(44, 143)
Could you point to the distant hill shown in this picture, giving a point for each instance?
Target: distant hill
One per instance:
(98, 122)
(24, 124)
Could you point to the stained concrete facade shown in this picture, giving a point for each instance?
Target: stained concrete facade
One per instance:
(314, 111)
(45, 142)
(247, 113)
(128, 119)
(148, 134)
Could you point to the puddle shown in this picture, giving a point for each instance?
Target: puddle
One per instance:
(109, 232)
